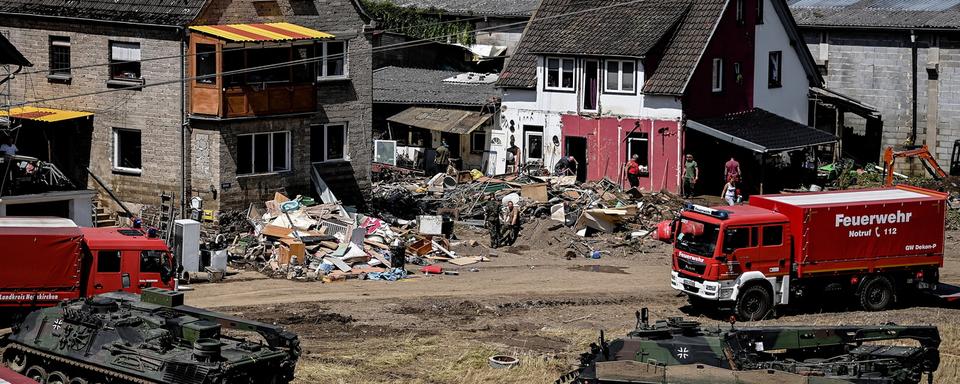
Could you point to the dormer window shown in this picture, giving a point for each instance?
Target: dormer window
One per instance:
(559, 74)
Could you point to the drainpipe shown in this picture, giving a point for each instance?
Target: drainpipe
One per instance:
(913, 77)
(183, 124)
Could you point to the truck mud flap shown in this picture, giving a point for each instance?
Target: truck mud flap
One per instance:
(946, 292)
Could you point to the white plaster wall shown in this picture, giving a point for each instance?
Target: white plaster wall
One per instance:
(790, 100)
(522, 107)
(659, 107)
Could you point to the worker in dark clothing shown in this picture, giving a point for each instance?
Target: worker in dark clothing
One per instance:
(442, 159)
(511, 221)
(632, 169)
(567, 166)
(492, 213)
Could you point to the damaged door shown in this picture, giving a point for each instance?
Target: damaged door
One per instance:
(577, 147)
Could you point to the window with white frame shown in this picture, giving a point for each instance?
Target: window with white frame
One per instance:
(774, 70)
(638, 143)
(263, 153)
(127, 156)
(125, 61)
(533, 142)
(334, 60)
(559, 74)
(621, 76)
(717, 78)
(59, 58)
(329, 142)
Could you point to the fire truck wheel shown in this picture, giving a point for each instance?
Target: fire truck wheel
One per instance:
(876, 294)
(755, 303)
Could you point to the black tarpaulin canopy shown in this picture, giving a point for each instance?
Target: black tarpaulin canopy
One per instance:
(761, 131)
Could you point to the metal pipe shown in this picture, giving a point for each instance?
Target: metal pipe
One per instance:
(110, 192)
(183, 125)
(913, 79)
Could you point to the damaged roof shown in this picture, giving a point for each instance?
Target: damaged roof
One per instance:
(504, 8)
(925, 14)
(156, 12)
(9, 54)
(609, 27)
(396, 85)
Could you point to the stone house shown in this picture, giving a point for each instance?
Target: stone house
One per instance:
(142, 131)
(882, 53)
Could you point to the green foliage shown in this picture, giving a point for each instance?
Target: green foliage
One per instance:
(419, 23)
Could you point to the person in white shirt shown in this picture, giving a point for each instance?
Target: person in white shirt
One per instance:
(8, 148)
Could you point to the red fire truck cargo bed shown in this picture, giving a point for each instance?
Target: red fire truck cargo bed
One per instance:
(38, 254)
(867, 230)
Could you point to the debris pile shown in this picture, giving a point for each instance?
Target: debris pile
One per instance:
(415, 218)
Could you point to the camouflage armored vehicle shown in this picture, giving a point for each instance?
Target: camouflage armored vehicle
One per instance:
(146, 339)
(678, 351)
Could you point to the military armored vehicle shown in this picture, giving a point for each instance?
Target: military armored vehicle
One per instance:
(149, 338)
(678, 351)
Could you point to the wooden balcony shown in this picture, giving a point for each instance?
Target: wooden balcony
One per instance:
(253, 100)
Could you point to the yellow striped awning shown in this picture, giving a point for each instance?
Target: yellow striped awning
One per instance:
(46, 115)
(261, 32)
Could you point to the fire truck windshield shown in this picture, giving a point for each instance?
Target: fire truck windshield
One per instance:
(697, 237)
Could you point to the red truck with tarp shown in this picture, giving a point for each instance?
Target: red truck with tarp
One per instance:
(46, 260)
(871, 245)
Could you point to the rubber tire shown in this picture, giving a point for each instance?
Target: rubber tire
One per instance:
(876, 294)
(8, 361)
(57, 377)
(36, 373)
(754, 295)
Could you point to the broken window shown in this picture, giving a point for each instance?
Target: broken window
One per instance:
(263, 153)
(206, 64)
(334, 63)
(774, 69)
(125, 61)
(559, 74)
(478, 141)
(717, 78)
(533, 142)
(621, 75)
(59, 58)
(126, 150)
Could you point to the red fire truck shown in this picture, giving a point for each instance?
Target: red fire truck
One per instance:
(46, 260)
(870, 245)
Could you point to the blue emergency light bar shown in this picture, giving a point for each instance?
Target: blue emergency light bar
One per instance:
(720, 214)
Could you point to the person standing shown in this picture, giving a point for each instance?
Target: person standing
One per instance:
(632, 169)
(8, 148)
(492, 213)
(730, 192)
(691, 173)
(442, 159)
(512, 220)
(513, 157)
(732, 169)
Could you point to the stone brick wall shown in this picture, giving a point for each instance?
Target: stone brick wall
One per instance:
(154, 110)
(874, 67)
(348, 101)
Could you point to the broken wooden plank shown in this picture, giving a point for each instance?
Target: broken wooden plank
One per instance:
(340, 264)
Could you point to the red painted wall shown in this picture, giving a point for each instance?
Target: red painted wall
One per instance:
(734, 42)
(607, 149)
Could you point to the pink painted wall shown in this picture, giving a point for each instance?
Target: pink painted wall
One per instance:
(607, 149)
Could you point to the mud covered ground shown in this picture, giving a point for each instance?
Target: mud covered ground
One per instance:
(529, 301)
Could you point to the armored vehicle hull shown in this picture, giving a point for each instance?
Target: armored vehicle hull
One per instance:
(124, 338)
(682, 352)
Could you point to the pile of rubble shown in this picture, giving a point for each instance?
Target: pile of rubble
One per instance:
(414, 224)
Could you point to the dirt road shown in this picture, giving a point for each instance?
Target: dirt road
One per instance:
(531, 303)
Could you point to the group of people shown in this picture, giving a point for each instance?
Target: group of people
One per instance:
(731, 173)
(503, 222)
